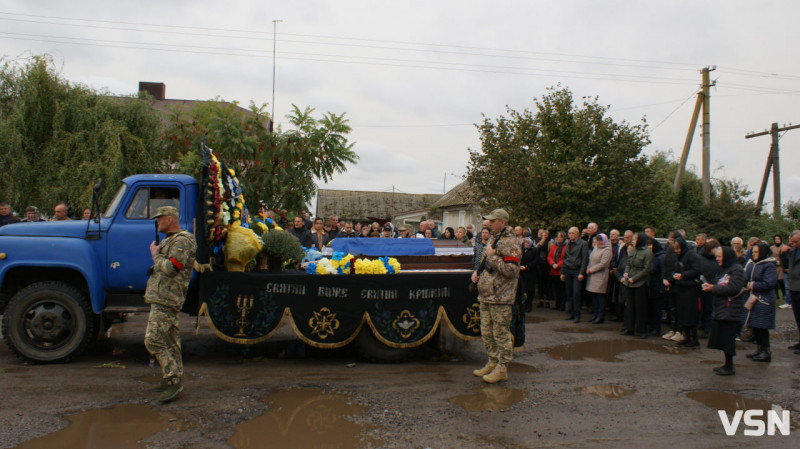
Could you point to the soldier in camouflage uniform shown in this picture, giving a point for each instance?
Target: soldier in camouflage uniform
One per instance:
(173, 261)
(497, 287)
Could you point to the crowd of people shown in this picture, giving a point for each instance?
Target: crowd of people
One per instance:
(61, 212)
(698, 289)
(320, 231)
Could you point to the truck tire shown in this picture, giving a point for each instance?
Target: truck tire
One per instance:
(373, 350)
(48, 322)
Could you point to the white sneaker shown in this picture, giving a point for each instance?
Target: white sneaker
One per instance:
(677, 337)
(668, 335)
(784, 306)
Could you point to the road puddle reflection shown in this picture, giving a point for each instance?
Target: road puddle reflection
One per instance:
(608, 391)
(730, 402)
(303, 418)
(575, 330)
(607, 350)
(120, 427)
(489, 398)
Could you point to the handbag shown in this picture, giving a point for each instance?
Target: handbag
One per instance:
(751, 301)
(747, 331)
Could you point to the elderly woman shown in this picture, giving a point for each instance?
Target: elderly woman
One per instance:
(684, 282)
(729, 298)
(637, 278)
(555, 259)
(527, 272)
(762, 276)
(597, 277)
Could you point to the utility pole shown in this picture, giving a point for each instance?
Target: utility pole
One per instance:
(773, 162)
(274, 45)
(706, 137)
(704, 100)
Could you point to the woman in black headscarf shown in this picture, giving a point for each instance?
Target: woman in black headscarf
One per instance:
(762, 276)
(637, 279)
(729, 298)
(684, 283)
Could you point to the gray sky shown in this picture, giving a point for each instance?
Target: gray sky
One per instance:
(414, 76)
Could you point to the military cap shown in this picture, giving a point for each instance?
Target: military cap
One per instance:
(167, 211)
(497, 214)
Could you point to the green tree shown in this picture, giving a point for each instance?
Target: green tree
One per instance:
(566, 165)
(279, 168)
(57, 138)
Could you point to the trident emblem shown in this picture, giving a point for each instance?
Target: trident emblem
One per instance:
(244, 306)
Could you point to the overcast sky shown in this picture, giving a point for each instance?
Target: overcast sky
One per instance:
(414, 76)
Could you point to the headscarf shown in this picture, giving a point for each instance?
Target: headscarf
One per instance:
(603, 239)
(641, 240)
(682, 243)
(657, 246)
(729, 257)
(763, 251)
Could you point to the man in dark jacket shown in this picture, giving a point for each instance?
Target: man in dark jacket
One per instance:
(708, 266)
(576, 257)
(300, 232)
(6, 217)
(668, 269)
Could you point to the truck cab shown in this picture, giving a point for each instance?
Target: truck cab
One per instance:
(60, 281)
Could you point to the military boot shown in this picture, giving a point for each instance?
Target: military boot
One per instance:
(170, 392)
(488, 368)
(498, 374)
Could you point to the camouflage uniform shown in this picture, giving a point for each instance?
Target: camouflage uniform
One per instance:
(497, 287)
(166, 292)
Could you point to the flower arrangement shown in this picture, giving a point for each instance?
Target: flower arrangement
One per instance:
(341, 263)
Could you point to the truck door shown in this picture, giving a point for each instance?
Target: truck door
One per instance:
(130, 236)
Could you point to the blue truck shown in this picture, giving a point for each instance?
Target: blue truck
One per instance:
(62, 283)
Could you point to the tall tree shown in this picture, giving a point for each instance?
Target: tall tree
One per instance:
(279, 168)
(567, 165)
(57, 138)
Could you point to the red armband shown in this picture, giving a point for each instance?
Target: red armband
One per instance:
(177, 265)
(511, 259)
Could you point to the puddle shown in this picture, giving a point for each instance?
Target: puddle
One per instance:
(522, 368)
(533, 319)
(575, 330)
(120, 427)
(489, 398)
(303, 418)
(607, 350)
(608, 391)
(730, 402)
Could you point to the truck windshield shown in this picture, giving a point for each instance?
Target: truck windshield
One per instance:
(112, 208)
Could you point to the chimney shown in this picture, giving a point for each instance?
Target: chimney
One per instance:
(157, 90)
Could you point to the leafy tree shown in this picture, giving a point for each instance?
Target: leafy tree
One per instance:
(57, 138)
(279, 168)
(566, 165)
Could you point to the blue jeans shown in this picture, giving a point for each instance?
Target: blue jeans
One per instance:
(573, 286)
(788, 295)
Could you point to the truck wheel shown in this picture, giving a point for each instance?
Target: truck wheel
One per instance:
(48, 322)
(373, 350)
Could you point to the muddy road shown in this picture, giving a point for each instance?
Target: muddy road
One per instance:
(574, 385)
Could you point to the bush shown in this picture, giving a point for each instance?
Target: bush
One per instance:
(281, 249)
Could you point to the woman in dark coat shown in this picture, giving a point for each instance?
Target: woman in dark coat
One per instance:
(762, 276)
(527, 272)
(685, 283)
(729, 299)
(637, 278)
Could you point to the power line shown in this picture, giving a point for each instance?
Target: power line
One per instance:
(674, 111)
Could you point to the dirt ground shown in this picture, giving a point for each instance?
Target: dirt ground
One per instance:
(620, 392)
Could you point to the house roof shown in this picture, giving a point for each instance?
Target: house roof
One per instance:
(359, 204)
(457, 196)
